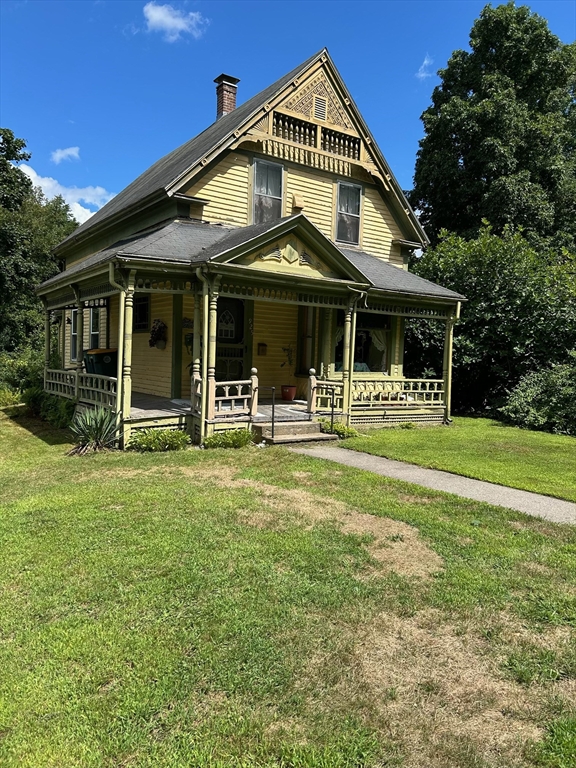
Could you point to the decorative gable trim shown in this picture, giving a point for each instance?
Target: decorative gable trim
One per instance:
(302, 102)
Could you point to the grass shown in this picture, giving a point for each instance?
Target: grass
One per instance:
(256, 608)
(484, 449)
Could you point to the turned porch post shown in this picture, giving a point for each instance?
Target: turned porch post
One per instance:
(348, 358)
(127, 355)
(79, 338)
(447, 367)
(46, 342)
(196, 337)
(326, 344)
(212, 335)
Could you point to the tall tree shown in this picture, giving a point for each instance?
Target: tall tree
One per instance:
(500, 135)
(30, 227)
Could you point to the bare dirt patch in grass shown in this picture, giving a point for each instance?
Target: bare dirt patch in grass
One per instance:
(430, 683)
(396, 546)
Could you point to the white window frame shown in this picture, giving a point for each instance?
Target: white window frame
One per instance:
(94, 311)
(254, 193)
(74, 335)
(359, 187)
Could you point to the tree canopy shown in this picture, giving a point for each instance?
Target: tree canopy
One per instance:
(30, 227)
(500, 134)
(520, 315)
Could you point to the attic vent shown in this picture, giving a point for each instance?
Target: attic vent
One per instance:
(320, 108)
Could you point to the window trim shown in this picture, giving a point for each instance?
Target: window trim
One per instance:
(92, 332)
(282, 186)
(147, 296)
(73, 336)
(359, 215)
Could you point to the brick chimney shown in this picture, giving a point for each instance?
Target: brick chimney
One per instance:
(226, 87)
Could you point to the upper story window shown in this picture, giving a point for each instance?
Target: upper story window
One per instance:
(141, 315)
(94, 327)
(267, 192)
(348, 216)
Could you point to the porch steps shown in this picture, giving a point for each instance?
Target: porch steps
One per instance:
(292, 432)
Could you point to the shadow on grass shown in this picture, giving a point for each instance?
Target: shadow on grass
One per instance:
(36, 427)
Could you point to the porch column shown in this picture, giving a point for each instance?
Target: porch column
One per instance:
(348, 348)
(326, 344)
(120, 365)
(205, 318)
(196, 338)
(447, 367)
(79, 338)
(127, 355)
(46, 343)
(212, 333)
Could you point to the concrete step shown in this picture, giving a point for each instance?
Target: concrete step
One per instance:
(289, 428)
(315, 437)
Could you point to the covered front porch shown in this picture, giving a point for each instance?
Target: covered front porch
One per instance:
(208, 346)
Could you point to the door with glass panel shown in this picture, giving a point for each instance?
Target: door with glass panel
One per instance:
(230, 343)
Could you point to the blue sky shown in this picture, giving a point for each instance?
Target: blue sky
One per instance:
(100, 89)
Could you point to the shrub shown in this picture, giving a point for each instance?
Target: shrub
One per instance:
(21, 370)
(338, 428)
(57, 411)
(159, 440)
(545, 399)
(95, 430)
(9, 397)
(231, 438)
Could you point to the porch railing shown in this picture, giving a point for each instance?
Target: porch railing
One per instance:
(61, 383)
(84, 387)
(374, 393)
(396, 393)
(227, 399)
(101, 390)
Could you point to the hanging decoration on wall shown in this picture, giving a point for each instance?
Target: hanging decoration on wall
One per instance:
(158, 334)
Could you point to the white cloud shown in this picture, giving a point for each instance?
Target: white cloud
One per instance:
(424, 70)
(70, 153)
(95, 197)
(172, 22)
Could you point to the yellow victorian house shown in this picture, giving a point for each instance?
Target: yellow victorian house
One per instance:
(263, 261)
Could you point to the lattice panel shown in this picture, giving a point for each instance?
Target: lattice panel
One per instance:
(302, 102)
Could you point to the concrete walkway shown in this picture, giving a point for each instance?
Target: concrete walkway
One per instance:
(534, 504)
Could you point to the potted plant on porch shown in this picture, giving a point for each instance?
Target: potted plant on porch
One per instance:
(288, 390)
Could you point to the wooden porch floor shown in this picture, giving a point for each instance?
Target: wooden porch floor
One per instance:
(145, 406)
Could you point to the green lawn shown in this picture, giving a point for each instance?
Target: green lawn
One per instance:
(256, 608)
(485, 449)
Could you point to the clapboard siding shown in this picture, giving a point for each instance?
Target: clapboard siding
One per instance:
(318, 194)
(226, 187)
(379, 227)
(275, 325)
(152, 367)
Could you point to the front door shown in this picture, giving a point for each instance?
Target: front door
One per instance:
(230, 342)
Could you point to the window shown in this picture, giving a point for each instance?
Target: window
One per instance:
(348, 224)
(267, 192)
(74, 336)
(226, 325)
(141, 316)
(94, 328)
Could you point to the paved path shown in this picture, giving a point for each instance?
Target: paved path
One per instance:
(533, 504)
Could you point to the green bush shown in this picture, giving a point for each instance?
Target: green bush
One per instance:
(545, 400)
(9, 396)
(338, 428)
(159, 440)
(21, 370)
(57, 411)
(95, 430)
(231, 438)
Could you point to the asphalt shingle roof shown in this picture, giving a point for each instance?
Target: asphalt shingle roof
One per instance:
(387, 277)
(190, 242)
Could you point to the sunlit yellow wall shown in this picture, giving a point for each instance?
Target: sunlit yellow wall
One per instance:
(275, 325)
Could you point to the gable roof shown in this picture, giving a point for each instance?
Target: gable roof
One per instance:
(162, 175)
(190, 242)
(166, 170)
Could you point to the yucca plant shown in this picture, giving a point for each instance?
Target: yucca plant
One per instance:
(95, 430)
